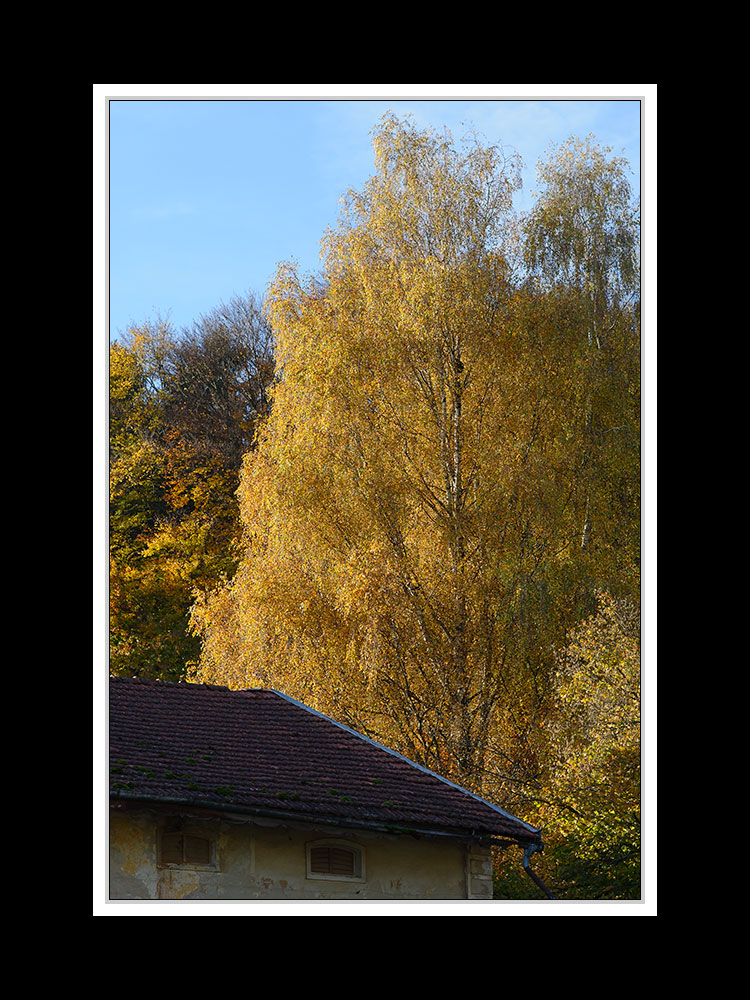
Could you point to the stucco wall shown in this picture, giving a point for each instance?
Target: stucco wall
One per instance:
(267, 860)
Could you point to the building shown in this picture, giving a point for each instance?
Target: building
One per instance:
(234, 795)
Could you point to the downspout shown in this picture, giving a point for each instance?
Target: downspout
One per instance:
(531, 849)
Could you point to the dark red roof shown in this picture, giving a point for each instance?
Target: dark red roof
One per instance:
(260, 752)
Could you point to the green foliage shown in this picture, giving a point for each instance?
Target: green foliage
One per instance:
(589, 799)
(149, 634)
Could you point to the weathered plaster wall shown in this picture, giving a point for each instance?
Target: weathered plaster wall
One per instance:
(479, 872)
(265, 860)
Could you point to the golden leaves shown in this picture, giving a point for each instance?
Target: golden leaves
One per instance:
(409, 512)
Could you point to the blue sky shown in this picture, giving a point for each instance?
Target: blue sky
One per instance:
(207, 195)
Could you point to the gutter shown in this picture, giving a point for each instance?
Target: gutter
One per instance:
(311, 819)
(534, 878)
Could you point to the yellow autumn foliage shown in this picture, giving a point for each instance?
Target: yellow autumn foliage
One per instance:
(410, 516)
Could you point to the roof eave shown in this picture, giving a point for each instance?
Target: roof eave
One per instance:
(534, 834)
(319, 819)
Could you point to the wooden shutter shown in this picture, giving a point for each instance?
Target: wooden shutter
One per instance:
(332, 861)
(320, 860)
(342, 861)
(171, 849)
(179, 849)
(197, 851)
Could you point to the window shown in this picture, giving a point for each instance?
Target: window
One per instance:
(186, 849)
(335, 859)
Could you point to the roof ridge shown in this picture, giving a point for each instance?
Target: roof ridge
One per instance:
(185, 684)
(399, 756)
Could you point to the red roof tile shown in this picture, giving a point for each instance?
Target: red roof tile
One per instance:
(261, 752)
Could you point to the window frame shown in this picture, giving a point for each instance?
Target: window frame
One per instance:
(351, 846)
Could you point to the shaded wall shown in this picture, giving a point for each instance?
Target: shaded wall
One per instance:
(268, 860)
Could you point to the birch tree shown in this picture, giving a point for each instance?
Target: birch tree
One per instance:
(582, 239)
(407, 554)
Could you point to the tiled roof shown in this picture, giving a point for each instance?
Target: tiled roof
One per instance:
(260, 752)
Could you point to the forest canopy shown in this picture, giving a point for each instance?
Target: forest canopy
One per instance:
(406, 490)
